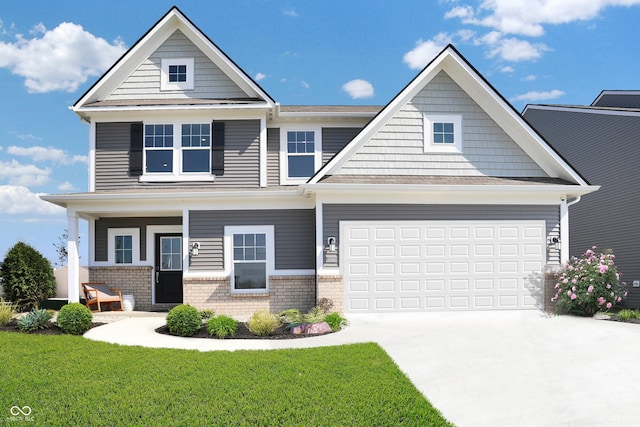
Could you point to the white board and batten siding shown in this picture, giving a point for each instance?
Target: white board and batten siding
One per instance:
(391, 266)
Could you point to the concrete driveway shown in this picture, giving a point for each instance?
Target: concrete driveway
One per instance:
(511, 368)
(517, 368)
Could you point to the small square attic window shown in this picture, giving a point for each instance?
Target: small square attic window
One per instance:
(177, 74)
(442, 133)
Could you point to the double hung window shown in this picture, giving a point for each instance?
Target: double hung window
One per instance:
(300, 153)
(177, 150)
(250, 257)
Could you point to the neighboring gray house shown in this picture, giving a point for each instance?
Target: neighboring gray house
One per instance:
(204, 190)
(601, 141)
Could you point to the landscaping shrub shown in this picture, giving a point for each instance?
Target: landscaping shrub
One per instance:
(222, 326)
(74, 319)
(291, 316)
(206, 314)
(27, 276)
(326, 304)
(628, 314)
(315, 315)
(37, 319)
(184, 320)
(263, 323)
(336, 321)
(589, 284)
(7, 311)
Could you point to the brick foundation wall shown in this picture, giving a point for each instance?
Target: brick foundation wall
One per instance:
(331, 287)
(134, 281)
(285, 292)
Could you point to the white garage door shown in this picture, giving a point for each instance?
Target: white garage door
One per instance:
(442, 265)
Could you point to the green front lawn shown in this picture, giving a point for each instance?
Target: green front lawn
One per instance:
(68, 380)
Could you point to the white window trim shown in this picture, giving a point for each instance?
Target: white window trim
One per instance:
(284, 155)
(429, 146)
(176, 174)
(165, 84)
(229, 231)
(135, 242)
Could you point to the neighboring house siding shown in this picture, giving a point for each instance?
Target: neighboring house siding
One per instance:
(603, 147)
(335, 139)
(210, 81)
(334, 213)
(241, 157)
(112, 156)
(104, 224)
(398, 148)
(273, 156)
(294, 236)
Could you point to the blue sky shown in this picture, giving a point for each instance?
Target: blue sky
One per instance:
(301, 52)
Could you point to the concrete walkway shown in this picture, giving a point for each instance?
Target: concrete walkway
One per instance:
(516, 368)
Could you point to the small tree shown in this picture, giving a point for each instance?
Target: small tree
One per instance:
(61, 247)
(27, 276)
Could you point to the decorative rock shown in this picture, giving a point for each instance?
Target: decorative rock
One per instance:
(318, 328)
(299, 330)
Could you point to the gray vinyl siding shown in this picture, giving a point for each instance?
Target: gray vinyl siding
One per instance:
(294, 234)
(103, 225)
(604, 148)
(210, 81)
(334, 213)
(241, 157)
(334, 140)
(273, 156)
(112, 156)
(241, 154)
(398, 147)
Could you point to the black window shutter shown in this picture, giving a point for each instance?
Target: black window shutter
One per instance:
(135, 149)
(217, 149)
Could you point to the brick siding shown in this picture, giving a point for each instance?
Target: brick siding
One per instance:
(331, 287)
(134, 281)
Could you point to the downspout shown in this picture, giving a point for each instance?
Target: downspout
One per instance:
(564, 228)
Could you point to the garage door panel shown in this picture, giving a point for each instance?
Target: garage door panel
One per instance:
(442, 265)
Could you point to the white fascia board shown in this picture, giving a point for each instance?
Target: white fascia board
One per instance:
(174, 116)
(445, 194)
(326, 115)
(150, 203)
(382, 118)
(174, 107)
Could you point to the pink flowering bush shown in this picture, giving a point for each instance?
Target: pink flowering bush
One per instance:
(589, 284)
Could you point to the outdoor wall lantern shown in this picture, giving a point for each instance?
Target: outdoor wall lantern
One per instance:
(195, 248)
(331, 243)
(555, 242)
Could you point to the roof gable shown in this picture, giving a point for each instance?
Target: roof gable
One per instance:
(156, 43)
(483, 95)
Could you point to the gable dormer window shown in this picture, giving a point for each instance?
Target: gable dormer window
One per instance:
(177, 74)
(300, 153)
(442, 133)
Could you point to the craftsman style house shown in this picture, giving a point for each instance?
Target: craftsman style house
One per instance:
(204, 190)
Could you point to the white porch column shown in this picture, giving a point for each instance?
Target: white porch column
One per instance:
(564, 231)
(73, 260)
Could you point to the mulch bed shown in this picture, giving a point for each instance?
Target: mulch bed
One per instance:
(51, 330)
(243, 333)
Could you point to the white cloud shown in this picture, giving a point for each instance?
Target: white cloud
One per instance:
(528, 17)
(18, 174)
(290, 12)
(539, 96)
(358, 88)
(25, 136)
(260, 76)
(426, 50)
(529, 78)
(17, 200)
(507, 69)
(66, 186)
(61, 59)
(515, 50)
(305, 84)
(41, 154)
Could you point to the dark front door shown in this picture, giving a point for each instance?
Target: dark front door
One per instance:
(168, 268)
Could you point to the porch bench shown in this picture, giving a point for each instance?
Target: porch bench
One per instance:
(96, 293)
